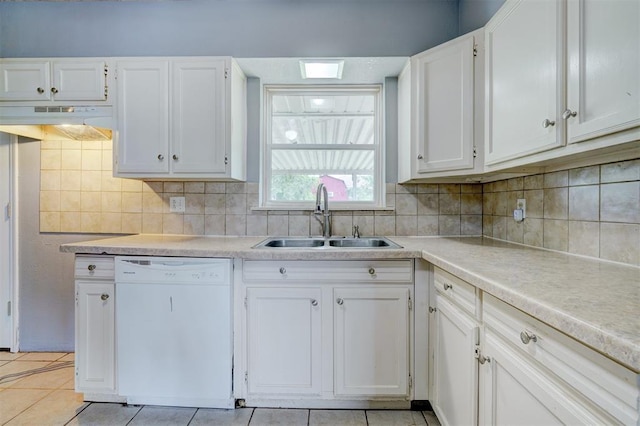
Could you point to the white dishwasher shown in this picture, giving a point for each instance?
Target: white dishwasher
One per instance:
(173, 328)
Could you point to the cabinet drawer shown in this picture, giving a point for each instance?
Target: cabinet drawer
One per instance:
(101, 267)
(394, 271)
(606, 383)
(456, 290)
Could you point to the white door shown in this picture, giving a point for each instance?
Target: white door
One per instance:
(444, 86)
(604, 67)
(24, 81)
(95, 336)
(371, 342)
(198, 143)
(284, 341)
(455, 369)
(517, 392)
(6, 245)
(79, 81)
(143, 117)
(523, 73)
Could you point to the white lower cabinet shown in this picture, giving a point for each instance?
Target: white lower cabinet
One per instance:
(315, 338)
(371, 341)
(95, 325)
(284, 340)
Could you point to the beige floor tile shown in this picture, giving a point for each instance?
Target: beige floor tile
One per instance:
(431, 418)
(42, 356)
(283, 417)
(206, 416)
(68, 357)
(337, 418)
(157, 416)
(395, 418)
(15, 367)
(10, 356)
(54, 379)
(15, 401)
(71, 384)
(98, 414)
(57, 408)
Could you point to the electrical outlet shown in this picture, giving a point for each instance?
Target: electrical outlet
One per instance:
(176, 204)
(521, 210)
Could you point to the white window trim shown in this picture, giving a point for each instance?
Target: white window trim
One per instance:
(378, 202)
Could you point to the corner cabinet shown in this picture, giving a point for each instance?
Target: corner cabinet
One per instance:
(333, 334)
(558, 73)
(440, 119)
(60, 79)
(180, 118)
(95, 327)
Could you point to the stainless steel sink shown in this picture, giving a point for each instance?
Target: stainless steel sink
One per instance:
(333, 242)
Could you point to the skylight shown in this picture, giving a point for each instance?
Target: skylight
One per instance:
(324, 68)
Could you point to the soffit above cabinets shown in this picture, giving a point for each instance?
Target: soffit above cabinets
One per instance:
(361, 70)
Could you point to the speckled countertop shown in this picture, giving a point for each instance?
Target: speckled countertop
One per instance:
(595, 302)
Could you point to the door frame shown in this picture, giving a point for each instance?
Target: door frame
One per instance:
(13, 242)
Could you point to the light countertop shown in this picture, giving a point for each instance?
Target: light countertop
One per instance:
(596, 302)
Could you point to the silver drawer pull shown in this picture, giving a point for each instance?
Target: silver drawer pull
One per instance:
(283, 270)
(339, 301)
(91, 267)
(105, 296)
(527, 337)
(314, 302)
(447, 286)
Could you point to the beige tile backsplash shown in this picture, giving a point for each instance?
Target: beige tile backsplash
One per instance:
(592, 211)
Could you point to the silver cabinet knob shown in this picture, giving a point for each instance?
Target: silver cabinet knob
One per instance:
(527, 337)
(91, 267)
(447, 286)
(372, 271)
(104, 296)
(339, 301)
(546, 123)
(314, 302)
(431, 309)
(40, 90)
(420, 157)
(54, 90)
(160, 157)
(175, 157)
(568, 113)
(283, 270)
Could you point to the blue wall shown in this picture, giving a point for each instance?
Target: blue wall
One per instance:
(240, 28)
(474, 14)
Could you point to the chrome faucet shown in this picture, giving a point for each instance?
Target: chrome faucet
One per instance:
(326, 224)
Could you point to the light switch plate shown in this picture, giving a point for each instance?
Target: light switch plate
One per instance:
(176, 204)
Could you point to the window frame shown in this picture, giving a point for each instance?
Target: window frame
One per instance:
(378, 146)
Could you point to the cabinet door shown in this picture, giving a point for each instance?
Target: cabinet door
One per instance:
(444, 111)
(524, 69)
(371, 341)
(143, 117)
(79, 81)
(198, 116)
(284, 341)
(25, 81)
(604, 67)
(455, 383)
(95, 337)
(515, 391)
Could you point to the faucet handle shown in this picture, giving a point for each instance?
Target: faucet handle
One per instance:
(356, 231)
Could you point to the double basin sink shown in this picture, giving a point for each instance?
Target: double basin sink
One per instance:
(332, 242)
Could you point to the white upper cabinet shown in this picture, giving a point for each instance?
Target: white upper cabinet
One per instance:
(78, 79)
(560, 72)
(181, 118)
(523, 71)
(603, 69)
(440, 96)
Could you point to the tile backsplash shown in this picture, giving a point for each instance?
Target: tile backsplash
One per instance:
(592, 211)
(79, 194)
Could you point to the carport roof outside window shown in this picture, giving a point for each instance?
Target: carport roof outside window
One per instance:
(322, 68)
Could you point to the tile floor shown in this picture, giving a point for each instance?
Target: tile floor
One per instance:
(45, 396)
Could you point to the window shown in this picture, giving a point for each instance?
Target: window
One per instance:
(322, 134)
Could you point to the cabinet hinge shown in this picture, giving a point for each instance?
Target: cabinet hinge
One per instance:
(410, 304)
(477, 354)
(475, 50)
(475, 153)
(226, 159)
(9, 308)
(106, 85)
(410, 381)
(76, 371)
(246, 376)
(226, 73)
(7, 211)
(245, 302)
